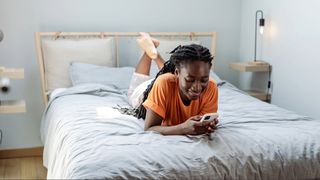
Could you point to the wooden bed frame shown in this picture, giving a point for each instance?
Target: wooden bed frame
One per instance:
(116, 35)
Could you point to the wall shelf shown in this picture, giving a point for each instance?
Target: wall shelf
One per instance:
(250, 67)
(258, 94)
(13, 106)
(253, 66)
(12, 73)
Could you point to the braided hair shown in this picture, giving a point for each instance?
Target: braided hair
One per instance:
(180, 55)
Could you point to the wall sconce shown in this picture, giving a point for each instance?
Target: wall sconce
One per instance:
(261, 26)
(1, 35)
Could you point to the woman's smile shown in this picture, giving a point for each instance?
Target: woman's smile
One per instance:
(194, 95)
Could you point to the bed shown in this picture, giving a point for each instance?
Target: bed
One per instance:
(86, 137)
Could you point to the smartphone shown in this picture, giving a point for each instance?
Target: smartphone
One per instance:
(209, 117)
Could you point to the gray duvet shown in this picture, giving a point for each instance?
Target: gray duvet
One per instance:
(85, 137)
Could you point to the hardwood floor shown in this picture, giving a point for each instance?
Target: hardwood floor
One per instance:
(22, 168)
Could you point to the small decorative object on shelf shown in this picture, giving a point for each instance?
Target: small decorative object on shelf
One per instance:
(10, 106)
(4, 85)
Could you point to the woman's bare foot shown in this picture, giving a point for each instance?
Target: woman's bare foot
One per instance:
(148, 44)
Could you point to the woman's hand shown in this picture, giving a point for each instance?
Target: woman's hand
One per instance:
(193, 126)
(212, 125)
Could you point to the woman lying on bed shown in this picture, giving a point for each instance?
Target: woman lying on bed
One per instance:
(181, 93)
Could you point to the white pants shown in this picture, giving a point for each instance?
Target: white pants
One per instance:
(139, 83)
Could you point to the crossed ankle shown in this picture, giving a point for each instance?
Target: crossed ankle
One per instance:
(148, 44)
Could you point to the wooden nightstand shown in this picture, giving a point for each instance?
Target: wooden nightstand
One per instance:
(12, 106)
(254, 67)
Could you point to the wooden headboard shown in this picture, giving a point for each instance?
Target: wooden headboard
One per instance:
(55, 35)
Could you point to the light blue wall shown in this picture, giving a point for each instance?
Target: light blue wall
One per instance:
(291, 44)
(20, 19)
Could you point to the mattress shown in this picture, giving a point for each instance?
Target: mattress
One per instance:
(86, 137)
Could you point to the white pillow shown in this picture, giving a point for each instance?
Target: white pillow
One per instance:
(165, 47)
(55, 92)
(58, 54)
(81, 73)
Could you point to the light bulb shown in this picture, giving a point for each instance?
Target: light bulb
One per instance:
(261, 29)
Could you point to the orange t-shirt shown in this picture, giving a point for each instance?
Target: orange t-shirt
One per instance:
(164, 99)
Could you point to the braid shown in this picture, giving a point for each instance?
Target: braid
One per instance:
(168, 67)
(179, 55)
